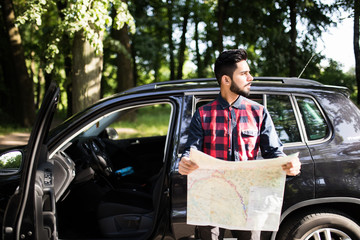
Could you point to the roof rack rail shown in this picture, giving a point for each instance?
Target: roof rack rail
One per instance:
(287, 80)
(156, 85)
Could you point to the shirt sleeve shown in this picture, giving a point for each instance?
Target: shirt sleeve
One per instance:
(195, 135)
(270, 144)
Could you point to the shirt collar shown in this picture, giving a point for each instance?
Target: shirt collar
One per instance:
(224, 104)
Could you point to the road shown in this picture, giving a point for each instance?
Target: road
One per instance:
(13, 139)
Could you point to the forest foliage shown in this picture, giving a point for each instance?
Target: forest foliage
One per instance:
(95, 48)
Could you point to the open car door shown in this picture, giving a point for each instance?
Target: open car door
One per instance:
(30, 213)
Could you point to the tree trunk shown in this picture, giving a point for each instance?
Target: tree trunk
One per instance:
(21, 86)
(8, 72)
(86, 73)
(38, 87)
(293, 36)
(200, 70)
(171, 43)
(208, 59)
(182, 48)
(68, 83)
(135, 73)
(157, 67)
(221, 15)
(67, 61)
(125, 77)
(37, 97)
(357, 44)
(220, 21)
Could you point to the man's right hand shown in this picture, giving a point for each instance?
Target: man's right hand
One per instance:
(186, 166)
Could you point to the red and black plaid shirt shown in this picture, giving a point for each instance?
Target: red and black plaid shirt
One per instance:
(234, 132)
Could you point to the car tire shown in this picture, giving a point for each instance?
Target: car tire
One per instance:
(319, 225)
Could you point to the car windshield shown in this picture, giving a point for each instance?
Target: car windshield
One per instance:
(100, 125)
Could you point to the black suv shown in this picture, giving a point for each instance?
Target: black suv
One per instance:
(111, 170)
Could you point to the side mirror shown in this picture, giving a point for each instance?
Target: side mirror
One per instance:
(112, 133)
(10, 162)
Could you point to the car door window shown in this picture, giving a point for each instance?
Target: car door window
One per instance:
(144, 121)
(282, 114)
(315, 123)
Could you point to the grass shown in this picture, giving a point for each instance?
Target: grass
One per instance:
(8, 129)
(144, 122)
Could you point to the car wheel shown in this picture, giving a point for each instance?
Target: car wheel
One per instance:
(322, 225)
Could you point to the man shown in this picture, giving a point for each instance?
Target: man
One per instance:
(233, 128)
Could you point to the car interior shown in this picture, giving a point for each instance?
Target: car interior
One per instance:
(109, 177)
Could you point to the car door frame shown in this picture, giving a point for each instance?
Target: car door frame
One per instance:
(26, 216)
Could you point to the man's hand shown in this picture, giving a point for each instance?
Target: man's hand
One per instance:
(293, 167)
(186, 166)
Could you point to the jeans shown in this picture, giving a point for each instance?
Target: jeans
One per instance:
(216, 233)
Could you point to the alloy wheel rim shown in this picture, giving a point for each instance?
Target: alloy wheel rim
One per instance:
(327, 234)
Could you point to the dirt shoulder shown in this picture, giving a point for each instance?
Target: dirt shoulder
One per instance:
(13, 139)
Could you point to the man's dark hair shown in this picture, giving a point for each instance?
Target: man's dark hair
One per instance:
(225, 64)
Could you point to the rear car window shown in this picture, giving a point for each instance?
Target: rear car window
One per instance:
(315, 123)
(283, 116)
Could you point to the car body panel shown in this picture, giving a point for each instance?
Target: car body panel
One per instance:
(337, 161)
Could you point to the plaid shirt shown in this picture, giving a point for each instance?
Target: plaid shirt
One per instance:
(234, 132)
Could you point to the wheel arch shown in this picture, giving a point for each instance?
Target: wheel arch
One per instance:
(346, 205)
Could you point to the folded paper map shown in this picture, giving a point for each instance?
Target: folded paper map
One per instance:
(236, 195)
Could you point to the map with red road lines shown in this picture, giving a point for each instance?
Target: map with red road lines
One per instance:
(236, 195)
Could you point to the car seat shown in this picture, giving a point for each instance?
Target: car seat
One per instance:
(126, 213)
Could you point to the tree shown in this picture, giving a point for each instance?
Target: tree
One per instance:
(125, 77)
(86, 72)
(354, 7)
(151, 40)
(207, 36)
(333, 75)
(357, 44)
(20, 86)
(170, 39)
(181, 53)
(316, 18)
(279, 35)
(85, 22)
(197, 40)
(221, 15)
(293, 38)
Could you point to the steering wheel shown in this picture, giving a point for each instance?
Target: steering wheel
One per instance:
(99, 158)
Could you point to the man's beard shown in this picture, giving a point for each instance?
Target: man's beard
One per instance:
(235, 89)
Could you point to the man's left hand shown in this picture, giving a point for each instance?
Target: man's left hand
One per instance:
(293, 167)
